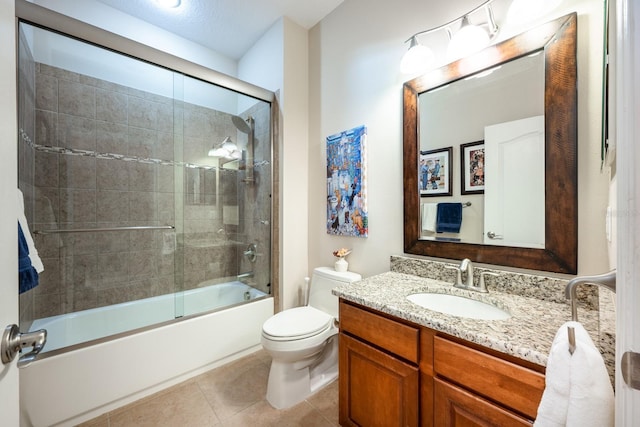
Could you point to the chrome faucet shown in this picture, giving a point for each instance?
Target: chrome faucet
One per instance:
(467, 266)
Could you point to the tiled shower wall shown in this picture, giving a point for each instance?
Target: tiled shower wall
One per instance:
(130, 140)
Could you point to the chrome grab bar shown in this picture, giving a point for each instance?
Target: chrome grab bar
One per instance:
(90, 230)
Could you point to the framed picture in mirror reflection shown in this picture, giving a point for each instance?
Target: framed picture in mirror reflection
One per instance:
(472, 167)
(434, 172)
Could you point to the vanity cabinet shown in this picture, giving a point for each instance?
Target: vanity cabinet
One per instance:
(395, 373)
(379, 375)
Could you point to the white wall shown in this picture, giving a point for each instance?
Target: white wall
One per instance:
(294, 158)
(279, 62)
(263, 63)
(355, 54)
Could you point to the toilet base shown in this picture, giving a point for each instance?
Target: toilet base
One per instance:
(291, 383)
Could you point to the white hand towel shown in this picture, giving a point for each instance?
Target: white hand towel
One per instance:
(36, 262)
(554, 405)
(429, 216)
(578, 391)
(591, 400)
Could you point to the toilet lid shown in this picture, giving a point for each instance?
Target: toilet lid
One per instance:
(299, 322)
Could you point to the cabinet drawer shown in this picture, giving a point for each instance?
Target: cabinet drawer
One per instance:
(514, 386)
(394, 337)
(457, 407)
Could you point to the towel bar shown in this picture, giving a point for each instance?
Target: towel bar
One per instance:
(607, 280)
(90, 230)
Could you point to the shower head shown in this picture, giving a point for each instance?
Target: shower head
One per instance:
(247, 126)
(241, 124)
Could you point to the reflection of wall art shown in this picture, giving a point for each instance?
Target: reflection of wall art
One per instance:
(472, 167)
(434, 172)
(347, 213)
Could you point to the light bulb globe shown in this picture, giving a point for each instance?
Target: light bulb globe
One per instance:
(418, 58)
(469, 39)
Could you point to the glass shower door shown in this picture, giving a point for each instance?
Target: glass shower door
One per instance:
(227, 197)
(96, 168)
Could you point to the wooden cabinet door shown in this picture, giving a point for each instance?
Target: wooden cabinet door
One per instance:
(455, 407)
(376, 389)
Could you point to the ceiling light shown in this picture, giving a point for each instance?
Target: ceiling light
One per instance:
(169, 4)
(468, 39)
(227, 149)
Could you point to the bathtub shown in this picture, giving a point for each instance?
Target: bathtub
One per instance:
(69, 329)
(65, 388)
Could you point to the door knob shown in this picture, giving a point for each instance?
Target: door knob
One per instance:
(492, 235)
(13, 341)
(630, 365)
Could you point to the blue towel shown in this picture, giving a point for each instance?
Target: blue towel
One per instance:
(449, 217)
(27, 275)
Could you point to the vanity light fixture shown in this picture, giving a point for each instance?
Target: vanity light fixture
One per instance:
(468, 39)
(227, 149)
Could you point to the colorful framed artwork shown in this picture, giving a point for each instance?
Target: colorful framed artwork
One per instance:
(347, 212)
(472, 168)
(434, 172)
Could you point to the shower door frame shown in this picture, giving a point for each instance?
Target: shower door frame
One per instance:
(47, 19)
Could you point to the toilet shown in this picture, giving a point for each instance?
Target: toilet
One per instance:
(303, 342)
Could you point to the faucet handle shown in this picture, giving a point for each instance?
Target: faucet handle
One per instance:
(458, 281)
(482, 287)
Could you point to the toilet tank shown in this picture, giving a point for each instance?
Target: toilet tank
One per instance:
(323, 280)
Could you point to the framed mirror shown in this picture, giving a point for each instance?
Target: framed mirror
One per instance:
(554, 44)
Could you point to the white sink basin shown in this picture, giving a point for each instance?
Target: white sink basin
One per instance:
(458, 306)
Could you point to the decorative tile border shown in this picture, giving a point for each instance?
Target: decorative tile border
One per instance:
(112, 156)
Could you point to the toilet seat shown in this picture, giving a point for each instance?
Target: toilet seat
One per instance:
(296, 323)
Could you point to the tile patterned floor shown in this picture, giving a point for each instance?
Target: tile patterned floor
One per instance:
(232, 395)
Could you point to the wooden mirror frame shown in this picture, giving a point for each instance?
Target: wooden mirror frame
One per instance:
(558, 40)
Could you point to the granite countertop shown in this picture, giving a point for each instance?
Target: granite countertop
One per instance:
(527, 334)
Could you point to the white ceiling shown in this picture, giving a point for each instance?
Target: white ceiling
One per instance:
(229, 27)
